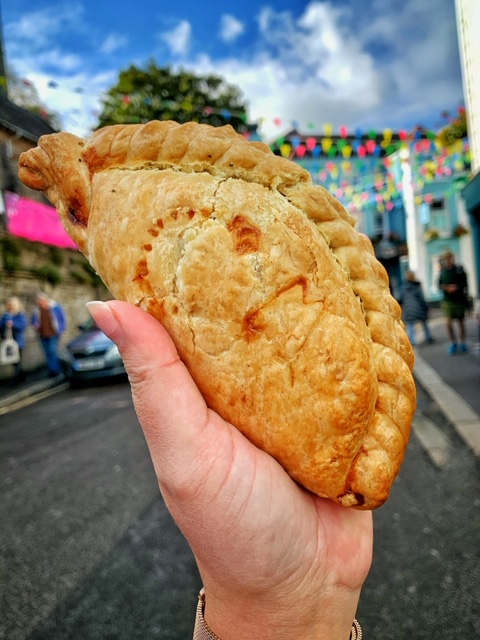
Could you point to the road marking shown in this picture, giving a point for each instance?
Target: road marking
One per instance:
(432, 439)
(25, 402)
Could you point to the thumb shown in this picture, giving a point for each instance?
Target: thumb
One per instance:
(169, 406)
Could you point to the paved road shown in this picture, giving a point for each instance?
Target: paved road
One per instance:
(425, 578)
(89, 551)
(88, 548)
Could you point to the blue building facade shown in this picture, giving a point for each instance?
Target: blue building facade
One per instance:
(365, 172)
(359, 172)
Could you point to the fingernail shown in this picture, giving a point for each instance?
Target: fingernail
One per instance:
(106, 320)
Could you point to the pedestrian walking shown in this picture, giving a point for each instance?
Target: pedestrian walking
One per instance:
(15, 320)
(454, 285)
(414, 308)
(50, 322)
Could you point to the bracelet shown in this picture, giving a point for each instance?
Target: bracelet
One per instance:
(203, 632)
(356, 632)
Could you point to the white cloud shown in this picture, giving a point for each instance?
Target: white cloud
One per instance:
(59, 61)
(38, 27)
(230, 28)
(79, 109)
(112, 43)
(178, 39)
(323, 67)
(309, 73)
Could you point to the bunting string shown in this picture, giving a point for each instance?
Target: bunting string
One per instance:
(353, 164)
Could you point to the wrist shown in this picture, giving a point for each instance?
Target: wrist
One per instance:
(240, 620)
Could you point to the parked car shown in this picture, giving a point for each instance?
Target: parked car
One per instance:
(91, 356)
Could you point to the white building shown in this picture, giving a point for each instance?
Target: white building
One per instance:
(468, 28)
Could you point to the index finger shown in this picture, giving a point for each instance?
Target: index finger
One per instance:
(171, 410)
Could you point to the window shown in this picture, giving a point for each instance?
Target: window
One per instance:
(439, 215)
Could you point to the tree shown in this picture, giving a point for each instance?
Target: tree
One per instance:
(155, 93)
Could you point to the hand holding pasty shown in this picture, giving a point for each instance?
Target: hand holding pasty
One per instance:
(277, 306)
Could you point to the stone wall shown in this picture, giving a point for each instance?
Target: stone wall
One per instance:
(63, 274)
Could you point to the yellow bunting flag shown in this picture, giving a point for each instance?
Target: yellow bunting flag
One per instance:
(326, 144)
(387, 136)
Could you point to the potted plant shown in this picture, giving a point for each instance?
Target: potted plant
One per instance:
(460, 230)
(431, 234)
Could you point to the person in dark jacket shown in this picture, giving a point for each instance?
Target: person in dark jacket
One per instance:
(15, 319)
(414, 308)
(49, 320)
(454, 285)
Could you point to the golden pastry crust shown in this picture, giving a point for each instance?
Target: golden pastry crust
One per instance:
(277, 305)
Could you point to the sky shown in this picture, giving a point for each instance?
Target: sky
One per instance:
(362, 64)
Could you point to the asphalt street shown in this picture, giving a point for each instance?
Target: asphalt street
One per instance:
(88, 548)
(89, 551)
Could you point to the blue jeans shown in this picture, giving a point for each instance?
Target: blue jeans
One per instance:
(410, 326)
(50, 346)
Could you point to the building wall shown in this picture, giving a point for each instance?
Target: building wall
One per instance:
(424, 251)
(69, 292)
(11, 147)
(468, 29)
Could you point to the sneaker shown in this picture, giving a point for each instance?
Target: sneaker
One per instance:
(463, 348)
(452, 349)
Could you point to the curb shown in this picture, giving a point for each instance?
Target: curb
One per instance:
(31, 390)
(464, 419)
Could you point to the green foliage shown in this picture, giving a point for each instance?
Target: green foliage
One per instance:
(80, 277)
(52, 264)
(456, 130)
(47, 272)
(155, 93)
(11, 251)
(56, 256)
(92, 275)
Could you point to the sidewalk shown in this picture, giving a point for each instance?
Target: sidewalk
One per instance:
(453, 382)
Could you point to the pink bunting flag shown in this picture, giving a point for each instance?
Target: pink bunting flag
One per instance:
(300, 150)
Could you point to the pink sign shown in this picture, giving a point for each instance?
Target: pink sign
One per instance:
(35, 221)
